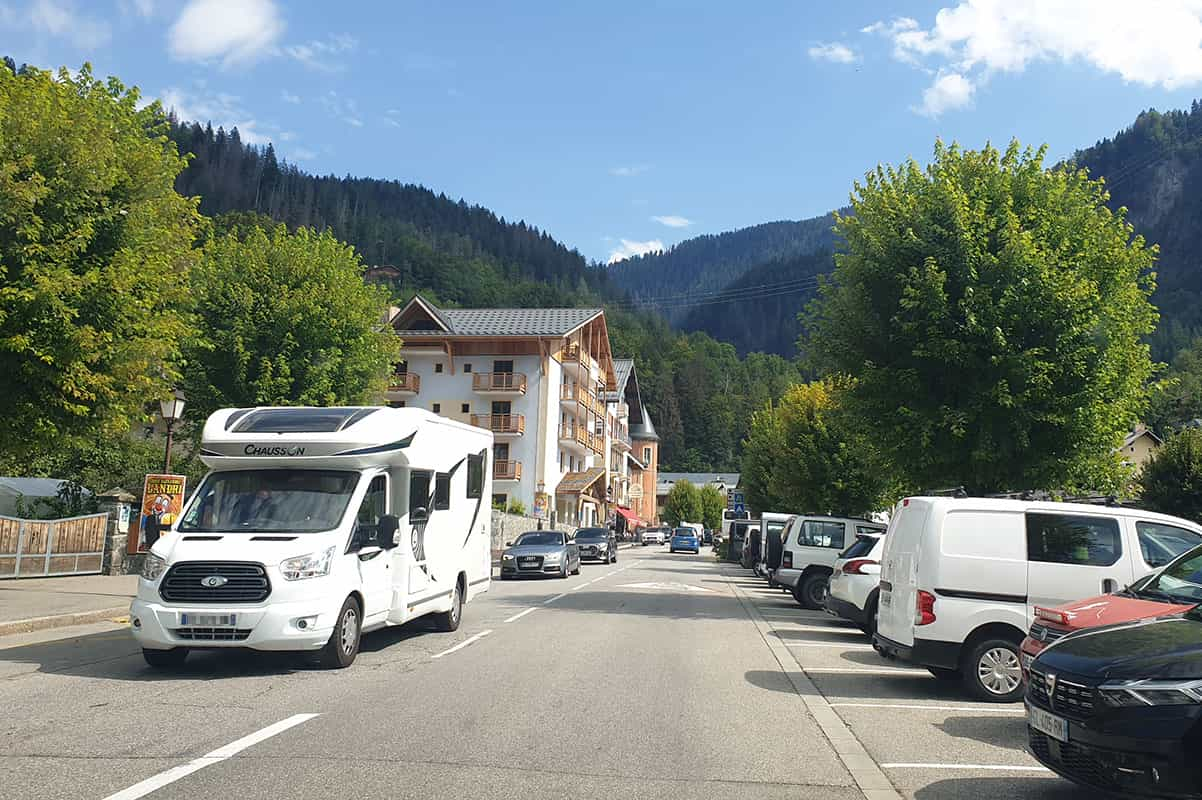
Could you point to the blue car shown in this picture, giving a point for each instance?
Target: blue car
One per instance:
(684, 539)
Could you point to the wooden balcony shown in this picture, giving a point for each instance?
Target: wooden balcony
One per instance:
(406, 383)
(569, 394)
(501, 424)
(499, 382)
(575, 436)
(507, 470)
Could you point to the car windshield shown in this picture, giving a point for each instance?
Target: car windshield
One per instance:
(1181, 581)
(270, 500)
(539, 538)
(591, 534)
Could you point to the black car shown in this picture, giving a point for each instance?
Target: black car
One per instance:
(1120, 708)
(598, 544)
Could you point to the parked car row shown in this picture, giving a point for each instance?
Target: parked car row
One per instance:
(1091, 613)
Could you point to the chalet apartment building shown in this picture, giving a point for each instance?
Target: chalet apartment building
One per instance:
(573, 441)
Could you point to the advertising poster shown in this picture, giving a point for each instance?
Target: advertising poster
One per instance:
(540, 505)
(162, 502)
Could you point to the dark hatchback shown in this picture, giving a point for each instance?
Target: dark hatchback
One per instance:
(1119, 709)
(598, 544)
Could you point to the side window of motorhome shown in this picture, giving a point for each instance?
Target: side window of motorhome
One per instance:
(442, 491)
(374, 506)
(1069, 539)
(821, 533)
(1160, 543)
(419, 491)
(475, 476)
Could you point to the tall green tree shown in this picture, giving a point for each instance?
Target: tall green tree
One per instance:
(1171, 482)
(286, 319)
(806, 454)
(95, 248)
(713, 503)
(683, 504)
(992, 313)
(1177, 397)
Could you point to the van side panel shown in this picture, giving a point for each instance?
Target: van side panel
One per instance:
(983, 552)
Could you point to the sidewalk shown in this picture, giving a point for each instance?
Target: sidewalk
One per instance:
(38, 603)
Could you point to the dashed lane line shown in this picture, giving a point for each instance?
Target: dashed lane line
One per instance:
(462, 644)
(519, 615)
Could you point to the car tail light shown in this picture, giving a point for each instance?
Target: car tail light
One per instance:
(856, 566)
(1051, 615)
(924, 608)
(786, 559)
(906, 503)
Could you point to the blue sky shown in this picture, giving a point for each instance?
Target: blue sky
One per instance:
(623, 126)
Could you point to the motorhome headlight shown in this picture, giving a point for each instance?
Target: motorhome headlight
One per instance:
(1151, 693)
(153, 566)
(313, 565)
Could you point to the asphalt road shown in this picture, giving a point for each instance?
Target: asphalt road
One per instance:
(661, 676)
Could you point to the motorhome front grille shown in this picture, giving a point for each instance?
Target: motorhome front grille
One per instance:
(215, 582)
(212, 634)
(1073, 700)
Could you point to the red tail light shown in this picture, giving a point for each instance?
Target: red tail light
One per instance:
(856, 566)
(924, 608)
(786, 559)
(1051, 615)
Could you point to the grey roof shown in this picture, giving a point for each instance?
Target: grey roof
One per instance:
(622, 369)
(729, 479)
(506, 321)
(642, 430)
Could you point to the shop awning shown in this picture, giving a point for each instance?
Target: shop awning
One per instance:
(577, 482)
(629, 516)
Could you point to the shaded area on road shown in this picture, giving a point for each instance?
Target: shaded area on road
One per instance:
(1010, 787)
(1006, 732)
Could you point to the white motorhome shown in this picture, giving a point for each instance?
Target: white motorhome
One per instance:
(316, 525)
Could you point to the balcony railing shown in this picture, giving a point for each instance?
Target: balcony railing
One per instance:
(574, 433)
(405, 382)
(578, 394)
(507, 470)
(501, 423)
(507, 382)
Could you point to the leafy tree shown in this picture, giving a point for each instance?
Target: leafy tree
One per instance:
(1171, 481)
(285, 319)
(95, 248)
(806, 454)
(683, 504)
(517, 507)
(1177, 398)
(713, 503)
(991, 312)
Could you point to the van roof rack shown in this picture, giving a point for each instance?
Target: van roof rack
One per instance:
(956, 491)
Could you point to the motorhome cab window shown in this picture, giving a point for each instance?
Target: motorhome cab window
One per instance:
(442, 491)
(269, 500)
(374, 506)
(1066, 539)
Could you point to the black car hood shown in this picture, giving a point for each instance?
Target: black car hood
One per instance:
(1165, 648)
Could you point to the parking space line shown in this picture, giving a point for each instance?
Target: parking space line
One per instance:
(156, 782)
(820, 629)
(865, 671)
(973, 767)
(978, 709)
(830, 644)
(519, 615)
(462, 644)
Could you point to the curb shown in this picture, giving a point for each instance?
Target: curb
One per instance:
(61, 620)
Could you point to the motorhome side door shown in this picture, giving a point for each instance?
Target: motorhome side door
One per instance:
(374, 562)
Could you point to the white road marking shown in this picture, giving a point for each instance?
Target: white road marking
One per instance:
(669, 586)
(156, 782)
(462, 644)
(978, 709)
(519, 615)
(817, 629)
(989, 767)
(830, 644)
(859, 671)
(550, 600)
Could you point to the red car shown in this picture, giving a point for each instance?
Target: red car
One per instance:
(1173, 590)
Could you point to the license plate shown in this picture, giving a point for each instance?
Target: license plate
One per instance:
(528, 560)
(886, 599)
(1027, 660)
(209, 620)
(1047, 722)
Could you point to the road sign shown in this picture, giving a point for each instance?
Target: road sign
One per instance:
(740, 508)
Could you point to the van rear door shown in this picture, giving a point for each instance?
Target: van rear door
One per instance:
(899, 571)
(1073, 557)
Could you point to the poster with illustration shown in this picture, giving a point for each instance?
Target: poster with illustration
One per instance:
(162, 502)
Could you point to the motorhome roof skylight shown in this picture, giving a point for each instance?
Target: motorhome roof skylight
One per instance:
(300, 420)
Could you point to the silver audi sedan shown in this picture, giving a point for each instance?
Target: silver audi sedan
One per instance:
(540, 553)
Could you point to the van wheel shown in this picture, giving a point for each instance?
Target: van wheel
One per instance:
(869, 627)
(993, 672)
(343, 645)
(165, 659)
(811, 592)
(448, 621)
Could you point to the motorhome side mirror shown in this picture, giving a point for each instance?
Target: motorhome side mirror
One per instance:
(419, 514)
(386, 531)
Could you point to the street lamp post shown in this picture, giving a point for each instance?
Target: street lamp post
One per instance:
(172, 410)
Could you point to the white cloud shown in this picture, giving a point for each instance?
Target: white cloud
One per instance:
(836, 52)
(391, 122)
(318, 54)
(1153, 43)
(948, 92)
(221, 109)
(289, 97)
(674, 221)
(343, 108)
(628, 249)
(629, 172)
(233, 32)
(59, 18)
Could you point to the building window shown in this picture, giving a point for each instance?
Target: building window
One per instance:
(467, 367)
(465, 408)
(438, 367)
(436, 408)
(646, 455)
(559, 460)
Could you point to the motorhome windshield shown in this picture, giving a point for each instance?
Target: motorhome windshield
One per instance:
(270, 500)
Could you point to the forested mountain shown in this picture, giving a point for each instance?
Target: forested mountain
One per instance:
(706, 264)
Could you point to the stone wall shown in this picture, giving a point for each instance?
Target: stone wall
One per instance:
(506, 527)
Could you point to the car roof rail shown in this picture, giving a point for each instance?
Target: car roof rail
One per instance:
(955, 491)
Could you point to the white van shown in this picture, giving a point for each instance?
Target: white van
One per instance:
(960, 577)
(316, 525)
(811, 545)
